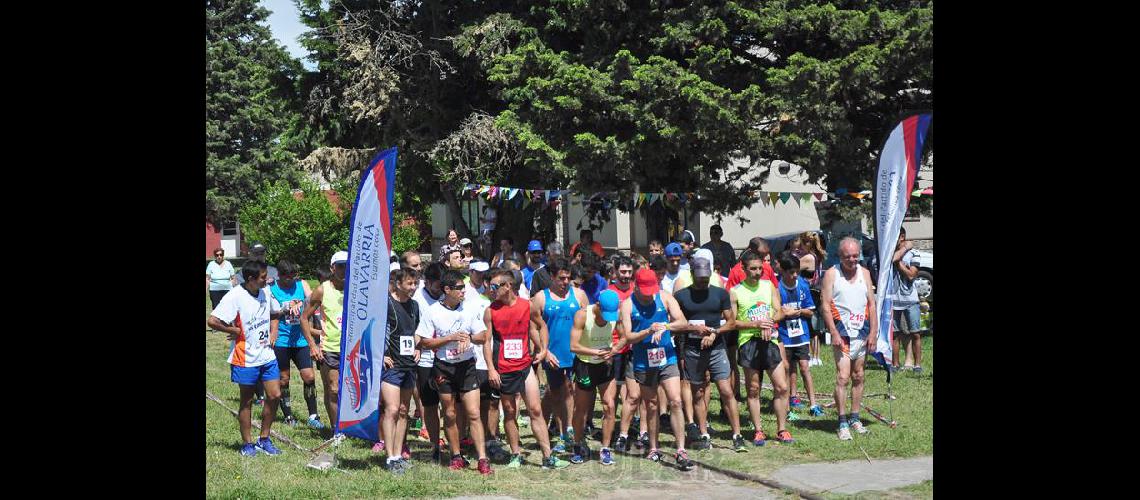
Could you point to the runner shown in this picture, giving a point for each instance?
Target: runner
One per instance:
(795, 298)
(673, 254)
(757, 306)
(684, 279)
(645, 325)
(593, 282)
(329, 299)
(722, 251)
(592, 340)
(506, 251)
(586, 241)
(257, 253)
(709, 311)
(688, 242)
(454, 331)
(399, 376)
(630, 404)
(847, 306)
(514, 327)
(510, 265)
(557, 305)
(534, 255)
(244, 314)
(757, 246)
(904, 303)
(292, 341)
(426, 390)
(476, 298)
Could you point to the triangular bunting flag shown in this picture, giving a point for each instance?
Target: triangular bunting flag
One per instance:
(805, 197)
(818, 196)
(917, 193)
(772, 197)
(784, 197)
(928, 191)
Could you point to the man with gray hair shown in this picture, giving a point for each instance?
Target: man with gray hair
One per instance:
(848, 312)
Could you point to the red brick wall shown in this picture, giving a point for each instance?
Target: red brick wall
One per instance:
(213, 240)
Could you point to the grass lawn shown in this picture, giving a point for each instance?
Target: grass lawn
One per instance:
(230, 475)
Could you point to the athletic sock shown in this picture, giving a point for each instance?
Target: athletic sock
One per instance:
(311, 397)
(625, 435)
(853, 417)
(842, 421)
(393, 459)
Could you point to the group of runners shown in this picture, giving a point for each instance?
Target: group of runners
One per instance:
(466, 341)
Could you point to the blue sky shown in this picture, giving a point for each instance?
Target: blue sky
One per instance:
(286, 26)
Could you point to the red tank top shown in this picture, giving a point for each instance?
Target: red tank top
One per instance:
(511, 325)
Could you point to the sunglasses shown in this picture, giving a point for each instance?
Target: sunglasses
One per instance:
(454, 287)
(495, 286)
(219, 254)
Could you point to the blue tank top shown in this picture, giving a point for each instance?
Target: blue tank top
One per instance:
(559, 317)
(289, 325)
(642, 317)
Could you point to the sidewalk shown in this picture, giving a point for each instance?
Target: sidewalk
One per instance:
(853, 476)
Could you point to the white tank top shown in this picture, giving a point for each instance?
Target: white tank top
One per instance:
(849, 301)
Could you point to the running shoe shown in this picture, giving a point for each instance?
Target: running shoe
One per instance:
(918, 370)
(692, 432)
(844, 433)
(793, 416)
(636, 424)
(738, 444)
(683, 462)
(315, 422)
(379, 447)
(516, 462)
(405, 453)
(559, 447)
(495, 450)
(796, 402)
(654, 455)
(248, 450)
(785, 437)
(816, 411)
(858, 426)
(552, 462)
(643, 440)
(424, 434)
(581, 452)
(291, 421)
(457, 463)
(396, 467)
(606, 456)
(622, 443)
(703, 443)
(265, 445)
(467, 442)
(569, 436)
(759, 438)
(485, 467)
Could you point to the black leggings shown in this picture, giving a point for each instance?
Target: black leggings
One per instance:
(216, 296)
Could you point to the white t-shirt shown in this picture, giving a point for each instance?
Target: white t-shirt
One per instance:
(251, 314)
(427, 356)
(441, 322)
(668, 280)
(478, 303)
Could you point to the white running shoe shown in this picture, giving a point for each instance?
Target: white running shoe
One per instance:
(844, 434)
(858, 426)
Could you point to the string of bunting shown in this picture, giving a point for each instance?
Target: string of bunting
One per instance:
(521, 197)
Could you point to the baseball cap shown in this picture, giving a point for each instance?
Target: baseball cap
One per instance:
(481, 266)
(534, 246)
(687, 236)
(646, 281)
(339, 258)
(673, 250)
(609, 301)
(465, 241)
(702, 268)
(704, 253)
(257, 248)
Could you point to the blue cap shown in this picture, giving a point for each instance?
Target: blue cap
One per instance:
(534, 246)
(609, 301)
(674, 250)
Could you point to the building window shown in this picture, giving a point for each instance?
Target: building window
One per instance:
(229, 228)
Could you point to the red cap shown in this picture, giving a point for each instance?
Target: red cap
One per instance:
(646, 281)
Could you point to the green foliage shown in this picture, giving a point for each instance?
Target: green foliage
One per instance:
(305, 231)
(250, 102)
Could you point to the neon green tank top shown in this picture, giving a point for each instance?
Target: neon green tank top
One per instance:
(596, 337)
(753, 304)
(332, 305)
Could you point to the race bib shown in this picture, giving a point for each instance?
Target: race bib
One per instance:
(513, 349)
(656, 357)
(407, 345)
(697, 322)
(451, 354)
(795, 327)
(855, 322)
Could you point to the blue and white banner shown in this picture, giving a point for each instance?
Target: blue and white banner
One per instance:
(898, 166)
(366, 300)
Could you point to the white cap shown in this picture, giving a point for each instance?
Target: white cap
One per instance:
(704, 253)
(395, 266)
(465, 241)
(339, 257)
(480, 266)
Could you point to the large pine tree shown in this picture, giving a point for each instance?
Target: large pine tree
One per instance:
(250, 102)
